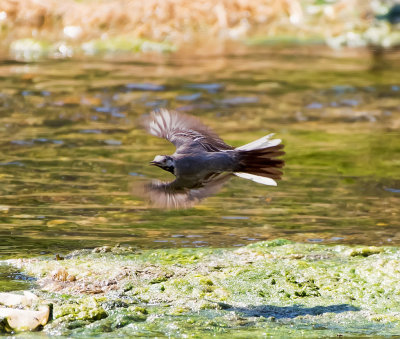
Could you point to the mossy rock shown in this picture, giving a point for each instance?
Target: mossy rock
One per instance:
(267, 288)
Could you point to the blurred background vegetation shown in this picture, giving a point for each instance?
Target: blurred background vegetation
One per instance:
(30, 29)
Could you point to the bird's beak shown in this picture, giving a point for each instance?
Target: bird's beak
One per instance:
(155, 163)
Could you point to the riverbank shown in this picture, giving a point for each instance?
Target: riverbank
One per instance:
(266, 288)
(31, 29)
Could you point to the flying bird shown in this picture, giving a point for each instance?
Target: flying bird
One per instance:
(203, 162)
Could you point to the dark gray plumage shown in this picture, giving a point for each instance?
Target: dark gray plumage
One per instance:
(203, 162)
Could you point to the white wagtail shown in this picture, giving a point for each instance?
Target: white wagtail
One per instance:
(203, 162)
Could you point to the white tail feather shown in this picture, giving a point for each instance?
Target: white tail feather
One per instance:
(263, 142)
(257, 178)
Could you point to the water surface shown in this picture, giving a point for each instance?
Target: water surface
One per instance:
(71, 148)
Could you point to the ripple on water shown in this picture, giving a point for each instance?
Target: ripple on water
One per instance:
(145, 87)
(209, 87)
(238, 101)
(393, 190)
(71, 149)
(189, 97)
(90, 131)
(13, 280)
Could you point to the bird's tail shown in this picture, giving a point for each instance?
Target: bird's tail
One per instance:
(257, 160)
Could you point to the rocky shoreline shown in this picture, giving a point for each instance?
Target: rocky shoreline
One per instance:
(272, 287)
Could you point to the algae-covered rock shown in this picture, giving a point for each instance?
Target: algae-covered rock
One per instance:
(87, 309)
(364, 251)
(266, 288)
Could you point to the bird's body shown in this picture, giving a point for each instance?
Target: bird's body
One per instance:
(201, 164)
(202, 161)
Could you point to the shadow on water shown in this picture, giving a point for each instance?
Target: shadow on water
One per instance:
(290, 312)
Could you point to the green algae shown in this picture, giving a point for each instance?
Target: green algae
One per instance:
(85, 309)
(267, 288)
(126, 44)
(365, 251)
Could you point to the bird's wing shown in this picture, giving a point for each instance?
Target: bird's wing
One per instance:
(176, 194)
(184, 131)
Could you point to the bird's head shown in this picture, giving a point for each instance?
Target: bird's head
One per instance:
(165, 162)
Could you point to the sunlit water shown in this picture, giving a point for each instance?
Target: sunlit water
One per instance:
(71, 149)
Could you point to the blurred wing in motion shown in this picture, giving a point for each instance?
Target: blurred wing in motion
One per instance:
(176, 194)
(184, 131)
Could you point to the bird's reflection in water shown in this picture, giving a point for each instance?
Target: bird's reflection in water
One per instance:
(180, 194)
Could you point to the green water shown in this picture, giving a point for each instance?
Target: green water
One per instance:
(71, 148)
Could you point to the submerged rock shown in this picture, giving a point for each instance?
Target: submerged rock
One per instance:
(266, 288)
